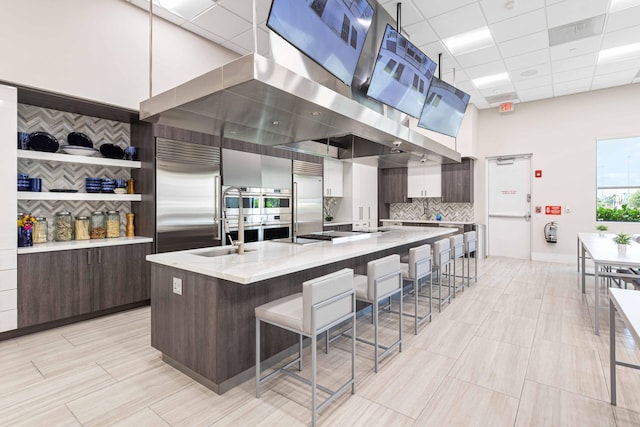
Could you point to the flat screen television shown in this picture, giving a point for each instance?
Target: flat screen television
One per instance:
(401, 75)
(331, 32)
(444, 108)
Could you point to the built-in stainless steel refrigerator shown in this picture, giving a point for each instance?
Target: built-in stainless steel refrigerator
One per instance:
(187, 195)
(307, 198)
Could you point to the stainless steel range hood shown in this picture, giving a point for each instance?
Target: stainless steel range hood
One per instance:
(257, 100)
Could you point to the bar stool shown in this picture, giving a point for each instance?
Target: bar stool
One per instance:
(471, 246)
(414, 272)
(383, 280)
(457, 251)
(441, 262)
(324, 302)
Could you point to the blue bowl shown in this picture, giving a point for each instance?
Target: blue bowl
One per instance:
(23, 175)
(91, 190)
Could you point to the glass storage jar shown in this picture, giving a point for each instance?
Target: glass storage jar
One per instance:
(98, 230)
(40, 230)
(64, 232)
(82, 227)
(113, 224)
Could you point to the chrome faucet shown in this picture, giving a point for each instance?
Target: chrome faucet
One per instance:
(239, 243)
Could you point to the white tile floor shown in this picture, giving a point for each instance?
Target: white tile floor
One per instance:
(518, 348)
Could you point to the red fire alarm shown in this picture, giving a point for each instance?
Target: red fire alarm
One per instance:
(538, 173)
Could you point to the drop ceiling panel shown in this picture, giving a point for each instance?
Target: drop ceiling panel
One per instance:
(244, 8)
(190, 9)
(573, 63)
(220, 21)
(458, 21)
(435, 8)
(484, 70)
(498, 89)
(621, 37)
(527, 60)
(420, 33)
(576, 48)
(479, 57)
(519, 26)
(566, 88)
(574, 10)
(612, 67)
(410, 14)
(532, 83)
(524, 44)
(578, 73)
(623, 19)
(498, 11)
(530, 72)
(245, 40)
(620, 76)
(535, 94)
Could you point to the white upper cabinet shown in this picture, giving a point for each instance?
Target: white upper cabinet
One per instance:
(333, 178)
(424, 181)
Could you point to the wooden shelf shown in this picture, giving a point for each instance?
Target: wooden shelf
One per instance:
(70, 158)
(32, 195)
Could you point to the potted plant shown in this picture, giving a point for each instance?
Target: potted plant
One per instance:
(622, 240)
(601, 229)
(25, 230)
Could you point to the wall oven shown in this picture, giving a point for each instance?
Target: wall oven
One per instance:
(267, 213)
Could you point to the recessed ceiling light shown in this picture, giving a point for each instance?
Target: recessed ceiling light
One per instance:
(619, 53)
(490, 80)
(618, 5)
(469, 41)
(275, 122)
(529, 73)
(315, 113)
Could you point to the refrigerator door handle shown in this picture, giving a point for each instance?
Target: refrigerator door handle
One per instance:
(295, 208)
(217, 207)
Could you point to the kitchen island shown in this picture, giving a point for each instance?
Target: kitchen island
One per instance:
(203, 300)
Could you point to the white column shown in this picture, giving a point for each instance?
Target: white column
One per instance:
(8, 194)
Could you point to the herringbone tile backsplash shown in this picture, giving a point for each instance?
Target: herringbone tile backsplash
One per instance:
(69, 175)
(428, 208)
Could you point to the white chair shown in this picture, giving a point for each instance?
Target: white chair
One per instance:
(471, 247)
(441, 263)
(415, 272)
(457, 252)
(383, 280)
(324, 302)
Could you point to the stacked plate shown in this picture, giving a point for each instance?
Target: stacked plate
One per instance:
(23, 182)
(108, 185)
(78, 150)
(93, 185)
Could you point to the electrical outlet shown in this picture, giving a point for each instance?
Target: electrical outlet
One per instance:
(177, 286)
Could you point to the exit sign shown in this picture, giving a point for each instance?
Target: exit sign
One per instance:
(506, 107)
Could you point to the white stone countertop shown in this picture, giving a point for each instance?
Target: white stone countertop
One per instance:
(83, 244)
(428, 221)
(268, 259)
(330, 223)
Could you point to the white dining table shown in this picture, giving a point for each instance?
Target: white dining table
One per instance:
(627, 303)
(606, 258)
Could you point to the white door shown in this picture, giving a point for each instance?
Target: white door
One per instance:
(509, 207)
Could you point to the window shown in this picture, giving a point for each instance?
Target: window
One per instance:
(618, 179)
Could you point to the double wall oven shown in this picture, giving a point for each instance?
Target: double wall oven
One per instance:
(267, 213)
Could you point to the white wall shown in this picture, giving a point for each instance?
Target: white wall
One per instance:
(561, 134)
(98, 50)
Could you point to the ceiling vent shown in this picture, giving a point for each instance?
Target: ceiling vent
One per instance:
(576, 30)
(499, 99)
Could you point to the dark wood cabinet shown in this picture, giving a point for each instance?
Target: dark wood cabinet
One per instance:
(120, 275)
(392, 188)
(62, 284)
(341, 227)
(53, 285)
(457, 181)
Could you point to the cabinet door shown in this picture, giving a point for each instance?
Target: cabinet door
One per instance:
(241, 169)
(53, 285)
(392, 185)
(457, 182)
(121, 275)
(333, 180)
(415, 182)
(433, 181)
